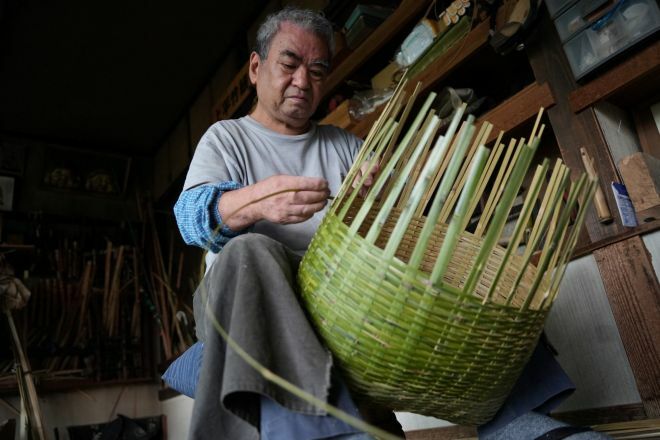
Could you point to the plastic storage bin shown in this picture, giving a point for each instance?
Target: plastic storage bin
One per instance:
(574, 19)
(627, 23)
(556, 7)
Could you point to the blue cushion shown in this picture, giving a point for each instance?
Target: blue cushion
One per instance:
(183, 374)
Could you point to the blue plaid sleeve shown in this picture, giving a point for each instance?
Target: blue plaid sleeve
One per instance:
(198, 218)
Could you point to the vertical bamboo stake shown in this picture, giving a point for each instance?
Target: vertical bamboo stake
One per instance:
(453, 231)
(498, 188)
(519, 169)
(446, 183)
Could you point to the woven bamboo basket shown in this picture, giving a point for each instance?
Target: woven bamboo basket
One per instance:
(422, 307)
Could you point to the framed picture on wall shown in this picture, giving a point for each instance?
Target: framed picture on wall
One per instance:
(6, 193)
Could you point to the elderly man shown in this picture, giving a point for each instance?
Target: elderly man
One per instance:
(256, 189)
(250, 285)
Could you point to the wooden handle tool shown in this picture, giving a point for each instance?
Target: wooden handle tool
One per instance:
(600, 202)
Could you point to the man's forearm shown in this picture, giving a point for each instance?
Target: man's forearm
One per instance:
(239, 209)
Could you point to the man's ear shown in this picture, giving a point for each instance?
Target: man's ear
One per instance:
(253, 69)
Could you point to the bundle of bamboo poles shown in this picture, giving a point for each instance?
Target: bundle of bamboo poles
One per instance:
(424, 311)
(172, 314)
(81, 318)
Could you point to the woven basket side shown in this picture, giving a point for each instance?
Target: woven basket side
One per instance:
(464, 257)
(406, 344)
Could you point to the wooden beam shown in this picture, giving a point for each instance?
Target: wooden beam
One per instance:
(572, 131)
(599, 416)
(634, 294)
(641, 67)
(455, 55)
(455, 432)
(519, 109)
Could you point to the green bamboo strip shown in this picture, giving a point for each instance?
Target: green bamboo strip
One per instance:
(559, 232)
(563, 263)
(483, 221)
(532, 135)
(447, 182)
(453, 142)
(290, 387)
(480, 139)
(523, 218)
(402, 121)
(367, 148)
(498, 190)
(555, 179)
(453, 231)
(410, 184)
(485, 178)
(405, 158)
(420, 188)
(384, 172)
(550, 233)
(374, 190)
(392, 196)
(554, 198)
(519, 169)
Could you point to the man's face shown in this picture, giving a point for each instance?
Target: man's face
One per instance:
(289, 80)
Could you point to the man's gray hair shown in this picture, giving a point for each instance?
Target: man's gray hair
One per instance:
(309, 20)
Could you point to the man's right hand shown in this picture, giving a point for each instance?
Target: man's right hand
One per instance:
(278, 199)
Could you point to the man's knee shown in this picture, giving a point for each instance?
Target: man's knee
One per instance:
(249, 242)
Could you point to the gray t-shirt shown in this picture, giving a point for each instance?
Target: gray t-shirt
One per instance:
(244, 151)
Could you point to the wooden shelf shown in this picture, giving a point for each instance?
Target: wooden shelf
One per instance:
(63, 385)
(430, 77)
(626, 77)
(519, 109)
(455, 55)
(407, 11)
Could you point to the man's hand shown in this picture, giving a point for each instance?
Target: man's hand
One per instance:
(278, 199)
(369, 179)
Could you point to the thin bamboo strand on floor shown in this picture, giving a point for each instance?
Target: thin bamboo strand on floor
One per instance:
(453, 160)
(501, 213)
(392, 196)
(480, 139)
(553, 195)
(525, 214)
(497, 191)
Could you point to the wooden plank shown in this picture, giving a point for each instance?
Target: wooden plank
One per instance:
(573, 131)
(456, 432)
(519, 109)
(641, 67)
(596, 416)
(628, 233)
(634, 294)
(407, 11)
